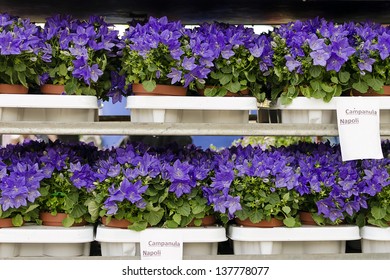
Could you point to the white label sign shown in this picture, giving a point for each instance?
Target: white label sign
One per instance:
(161, 244)
(359, 128)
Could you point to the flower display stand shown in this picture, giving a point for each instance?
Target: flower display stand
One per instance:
(190, 109)
(197, 241)
(375, 239)
(311, 110)
(301, 240)
(39, 241)
(56, 108)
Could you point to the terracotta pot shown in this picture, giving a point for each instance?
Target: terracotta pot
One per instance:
(306, 218)
(371, 92)
(262, 224)
(206, 221)
(13, 89)
(116, 223)
(52, 89)
(167, 90)
(49, 220)
(228, 94)
(6, 223)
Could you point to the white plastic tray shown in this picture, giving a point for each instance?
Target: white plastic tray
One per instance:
(125, 242)
(300, 240)
(190, 109)
(375, 239)
(39, 107)
(312, 110)
(37, 241)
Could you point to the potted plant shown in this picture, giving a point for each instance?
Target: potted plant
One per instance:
(260, 185)
(157, 53)
(129, 189)
(188, 174)
(334, 192)
(68, 184)
(79, 55)
(368, 65)
(310, 59)
(20, 186)
(18, 53)
(236, 59)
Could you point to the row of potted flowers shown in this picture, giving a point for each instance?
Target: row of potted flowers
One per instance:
(175, 187)
(314, 58)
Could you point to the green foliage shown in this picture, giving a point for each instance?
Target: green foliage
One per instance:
(260, 200)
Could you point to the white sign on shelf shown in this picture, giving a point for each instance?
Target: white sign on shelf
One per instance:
(161, 244)
(359, 128)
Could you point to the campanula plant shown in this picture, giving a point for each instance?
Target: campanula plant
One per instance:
(129, 186)
(158, 52)
(19, 48)
(69, 180)
(188, 172)
(369, 65)
(79, 54)
(237, 59)
(20, 178)
(259, 185)
(310, 59)
(334, 191)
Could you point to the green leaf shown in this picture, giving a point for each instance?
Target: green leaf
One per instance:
(234, 87)
(93, 209)
(255, 216)
(177, 218)
(17, 221)
(154, 217)
(22, 78)
(20, 67)
(171, 224)
(185, 209)
(289, 222)
(360, 86)
(63, 70)
(198, 208)
(344, 76)
(286, 209)
(149, 85)
(334, 79)
(378, 213)
(315, 71)
(375, 84)
(78, 211)
(327, 88)
(68, 221)
(225, 79)
(138, 226)
(31, 208)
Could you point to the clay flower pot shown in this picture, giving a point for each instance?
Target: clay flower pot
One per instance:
(13, 89)
(167, 90)
(262, 224)
(6, 223)
(49, 220)
(206, 221)
(116, 223)
(306, 218)
(52, 89)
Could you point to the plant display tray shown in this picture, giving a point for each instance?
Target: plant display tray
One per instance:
(39, 241)
(190, 109)
(311, 110)
(375, 239)
(124, 242)
(300, 240)
(43, 107)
